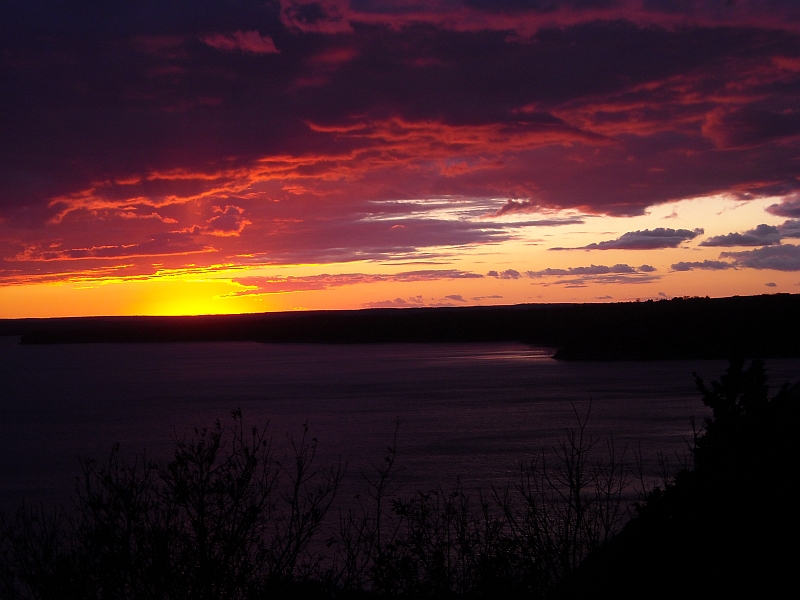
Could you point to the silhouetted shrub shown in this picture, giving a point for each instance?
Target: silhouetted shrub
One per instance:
(222, 519)
(727, 527)
(227, 518)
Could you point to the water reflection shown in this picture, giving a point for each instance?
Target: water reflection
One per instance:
(469, 411)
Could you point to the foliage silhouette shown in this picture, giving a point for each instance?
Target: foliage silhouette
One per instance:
(727, 526)
(228, 518)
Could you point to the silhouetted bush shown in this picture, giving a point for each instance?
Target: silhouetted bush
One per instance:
(728, 526)
(222, 519)
(228, 518)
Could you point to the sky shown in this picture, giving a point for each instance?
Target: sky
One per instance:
(197, 157)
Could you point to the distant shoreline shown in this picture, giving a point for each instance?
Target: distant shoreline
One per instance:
(681, 328)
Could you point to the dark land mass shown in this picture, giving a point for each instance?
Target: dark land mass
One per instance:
(746, 326)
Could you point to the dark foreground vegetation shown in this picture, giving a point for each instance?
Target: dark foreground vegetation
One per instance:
(228, 517)
(755, 326)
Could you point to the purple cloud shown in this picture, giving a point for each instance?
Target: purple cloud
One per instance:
(789, 207)
(790, 228)
(762, 235)
(507, 274)
(591, 270)
(646, 239)
(707, 265)
(778, 258)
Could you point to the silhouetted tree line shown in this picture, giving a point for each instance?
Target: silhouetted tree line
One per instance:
(228, 517)
(764, 326)
(727, 527)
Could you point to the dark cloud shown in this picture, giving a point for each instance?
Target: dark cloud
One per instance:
(528, 206)
(579, 277)
(456, 298)
(790, 228)
(507, 274)
(778, 258)
(410, 302)
(771, 284)
(591, 270)
(541, 6)
(646, 239)
(789, 207)
(516, 206)
(707, 265)
(762, 235)
(749, 127)
(226, 221)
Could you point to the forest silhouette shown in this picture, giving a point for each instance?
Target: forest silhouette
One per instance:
(765, 326)
(229, 516)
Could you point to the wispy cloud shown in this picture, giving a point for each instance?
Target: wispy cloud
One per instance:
(278, 285)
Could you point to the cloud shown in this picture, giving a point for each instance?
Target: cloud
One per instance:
(590, 270)
(516, 206)
(707, 265)
(790, 228)
(245, 41)
(579, 277)
(522, 18)
(410, 302)
(456, 297)
(748, 127)
(647, 239)
(228, 221)
(778, 258)
(762, 235)
(528, 206)
(285, 284)
(507, 274)
(771, 284)
(788, 207)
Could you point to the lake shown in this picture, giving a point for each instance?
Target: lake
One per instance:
(471, 411)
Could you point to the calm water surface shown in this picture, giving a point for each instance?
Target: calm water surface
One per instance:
(469, 411)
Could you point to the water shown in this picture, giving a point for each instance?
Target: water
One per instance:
(471, 411)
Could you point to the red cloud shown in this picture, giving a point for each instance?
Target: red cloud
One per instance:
(340, 16)
(245, 41)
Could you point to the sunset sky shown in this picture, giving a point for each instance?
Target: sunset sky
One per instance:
(192, 157)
